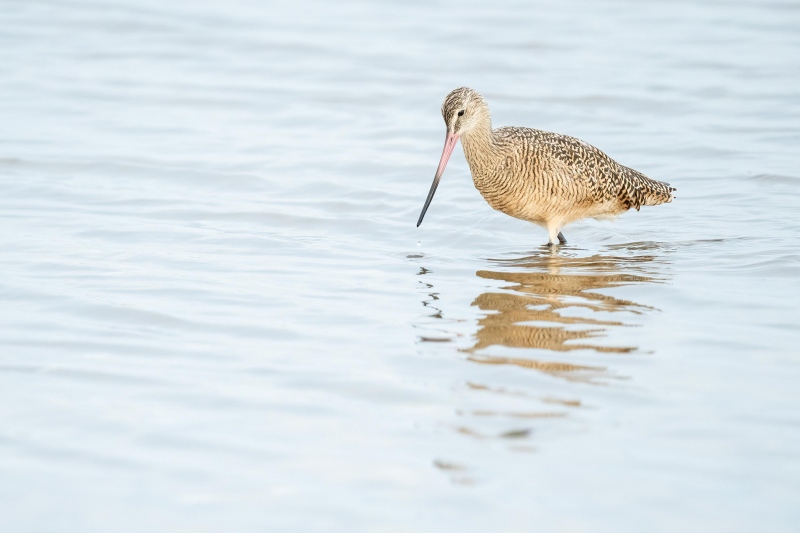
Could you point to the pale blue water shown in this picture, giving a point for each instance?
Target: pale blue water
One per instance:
(220, 316)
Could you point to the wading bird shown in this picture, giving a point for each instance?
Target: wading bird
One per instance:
(545, 178)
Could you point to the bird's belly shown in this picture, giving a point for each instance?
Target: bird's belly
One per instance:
(524, 200)
(515, 205)
(526, 203)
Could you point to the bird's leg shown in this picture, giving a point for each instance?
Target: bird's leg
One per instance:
(555, 235)
(561, 238)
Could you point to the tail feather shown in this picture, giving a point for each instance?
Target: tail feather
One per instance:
(640, 190)
(658, 192)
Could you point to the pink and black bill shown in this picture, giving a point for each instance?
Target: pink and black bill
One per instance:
(449, 143)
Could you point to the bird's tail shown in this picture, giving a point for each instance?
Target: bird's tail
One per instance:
(640, 190)
(657, 192)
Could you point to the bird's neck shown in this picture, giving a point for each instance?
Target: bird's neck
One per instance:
(480, 148)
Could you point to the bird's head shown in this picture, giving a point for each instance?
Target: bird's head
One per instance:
(463, 109)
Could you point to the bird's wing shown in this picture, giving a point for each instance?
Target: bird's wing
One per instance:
(602, 176)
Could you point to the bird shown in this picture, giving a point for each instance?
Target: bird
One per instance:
(545, 178)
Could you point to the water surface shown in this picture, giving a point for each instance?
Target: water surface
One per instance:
(219, 314)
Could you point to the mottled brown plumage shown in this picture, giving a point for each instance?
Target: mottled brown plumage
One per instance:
(545, 178)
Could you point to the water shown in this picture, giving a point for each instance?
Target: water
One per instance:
(219, 315)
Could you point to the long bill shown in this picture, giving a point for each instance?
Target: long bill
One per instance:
(449, 143)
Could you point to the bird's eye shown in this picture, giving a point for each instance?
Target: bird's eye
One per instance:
(461, 113)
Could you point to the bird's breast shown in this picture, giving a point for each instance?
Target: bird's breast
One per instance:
(511, 189)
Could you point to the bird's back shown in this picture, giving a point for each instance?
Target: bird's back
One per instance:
(539, 175)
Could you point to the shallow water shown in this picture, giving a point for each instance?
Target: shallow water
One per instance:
(220, 315)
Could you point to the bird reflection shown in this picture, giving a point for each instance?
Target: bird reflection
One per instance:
(548, 305)
(556, 313)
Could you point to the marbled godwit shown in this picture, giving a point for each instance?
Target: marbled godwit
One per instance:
(545, 178)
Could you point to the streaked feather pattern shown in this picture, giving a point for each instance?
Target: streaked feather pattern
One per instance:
(546, 178)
